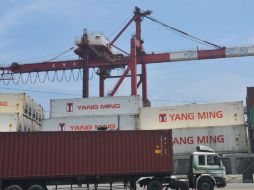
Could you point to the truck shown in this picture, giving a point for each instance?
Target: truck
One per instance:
(37, 160)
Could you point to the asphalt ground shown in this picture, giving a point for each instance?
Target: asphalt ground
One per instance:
(230, 186)
(238, 186)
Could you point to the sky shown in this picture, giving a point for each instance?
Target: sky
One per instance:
(39, 30)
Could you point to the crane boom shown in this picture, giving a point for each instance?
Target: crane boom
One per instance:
(199, 54)
(189, 55)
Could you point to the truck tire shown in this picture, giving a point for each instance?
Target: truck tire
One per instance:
(35, 187)
(14, 187)
(154, 185)
(205, 184)
(181, 185)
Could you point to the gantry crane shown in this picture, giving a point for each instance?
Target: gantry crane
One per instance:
(102, 56)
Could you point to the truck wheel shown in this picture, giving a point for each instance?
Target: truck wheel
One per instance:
(181, 185)
(14, 187)
(205, 185)
(35, 187)
(154, 185)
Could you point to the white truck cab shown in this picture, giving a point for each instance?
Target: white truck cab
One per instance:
(206, 169)
(205, 172)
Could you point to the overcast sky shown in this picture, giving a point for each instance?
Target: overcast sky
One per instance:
(38, 30)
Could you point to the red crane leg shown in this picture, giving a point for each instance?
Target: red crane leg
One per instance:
(119, 82)
(102, 81)
(144, 85)
(133, 66)
(85, 80)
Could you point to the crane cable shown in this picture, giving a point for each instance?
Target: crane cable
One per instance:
(66, 51)
(184, 34)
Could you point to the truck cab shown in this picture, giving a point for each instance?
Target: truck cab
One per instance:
(206, 169)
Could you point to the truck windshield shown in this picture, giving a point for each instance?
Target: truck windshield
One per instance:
(213, 160)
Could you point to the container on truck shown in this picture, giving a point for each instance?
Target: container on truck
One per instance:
(120, 105)
(35, 160)
(192, 115)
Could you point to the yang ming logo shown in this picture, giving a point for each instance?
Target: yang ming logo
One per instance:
(162, 118)
(69, 107)
(61, 126)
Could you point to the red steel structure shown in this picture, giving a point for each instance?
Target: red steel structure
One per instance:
(105, 61)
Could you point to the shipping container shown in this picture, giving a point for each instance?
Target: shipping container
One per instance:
(250, 106)
(36, 127)
(90, 155)
(22, 104)
(129, 122)
(91, 123)
(225, 139)
(13, 122)
(10, 122)
(250, 115)
(95, 106)
(14, 103)
(192, 115)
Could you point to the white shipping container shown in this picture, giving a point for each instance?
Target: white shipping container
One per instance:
(91, 123)
(9, 122)
(95, 106)
(192, 115)
(22, 104)
(13, 102)
(36, 126)
(128, 122)
(226, 139)
(27, 124)
(13, 122)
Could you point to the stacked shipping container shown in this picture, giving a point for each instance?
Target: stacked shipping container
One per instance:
(18, 112)
(250, 112)
(90, 114)
(193, 116)
(219, 125)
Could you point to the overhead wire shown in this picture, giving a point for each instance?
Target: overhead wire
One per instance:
(68, 79)
(54, 76)
(184, 34)
(40, 91)
(22, 80)
(60, 54)
(60, 79)
(45, 77)
(120, 25)
(17, 80)
(121, 50)
(116, 29)
(30, 78)
(43, 56)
